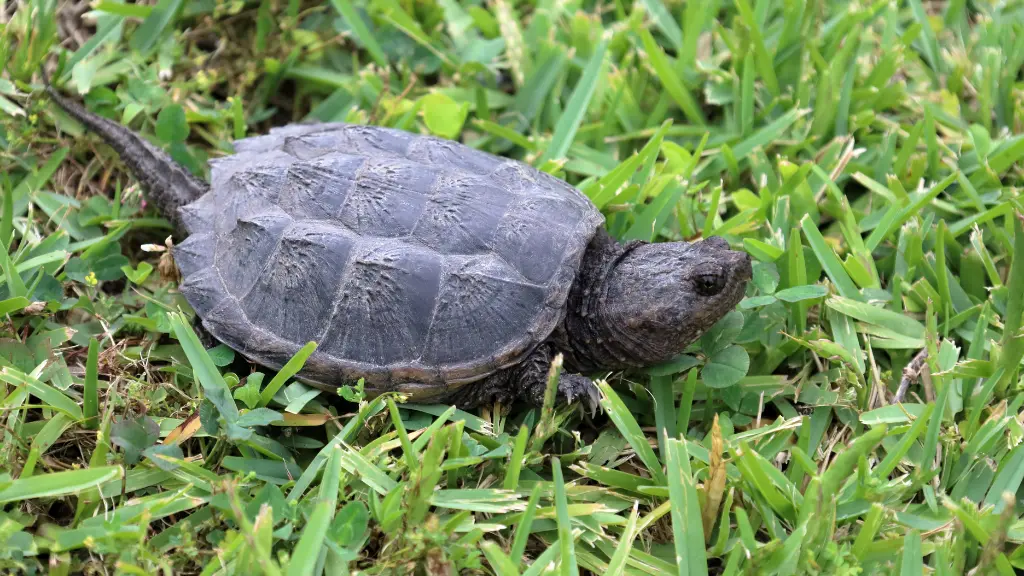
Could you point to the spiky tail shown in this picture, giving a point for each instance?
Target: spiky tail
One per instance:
(167, 184)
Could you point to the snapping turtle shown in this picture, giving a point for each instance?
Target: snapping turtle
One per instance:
(420, 264)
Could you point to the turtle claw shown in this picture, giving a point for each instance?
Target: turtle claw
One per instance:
(593, 399)
(573, 387)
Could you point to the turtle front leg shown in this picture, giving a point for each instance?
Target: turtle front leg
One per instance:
(531, 381)
(571, 387)
(528, 381)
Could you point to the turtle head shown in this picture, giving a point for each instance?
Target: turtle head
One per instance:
(660, 297)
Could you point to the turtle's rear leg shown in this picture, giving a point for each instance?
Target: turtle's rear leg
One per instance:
(205, 338)
(527, 381)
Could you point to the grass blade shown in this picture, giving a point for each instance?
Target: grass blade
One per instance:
(50, 433)
(672, 83)
(1012, 343)
(759, 139)
(348, 12)
(842, 467)
(765, 66)
(291, 368)
(617, 563)
(864, 312)
(152, 30)
(893, 458)
(351, 427)
(912, 563)
(576, 108)
(210, 378)
(396, 419)
(307, 552)
(7, 219)
(1008, 480)
(664, 21)
(500, 563)
(543, 562)
(629, 428)
(515, 463)
(58, 483)
(686, 521)
(833, 267)
(524, 526)
(566, 542)
(16, 287)
(90, 394)
(48, 394)
(931, 46)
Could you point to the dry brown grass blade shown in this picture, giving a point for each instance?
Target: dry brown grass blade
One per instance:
(185, 430)
(289, 419)
(714, 488)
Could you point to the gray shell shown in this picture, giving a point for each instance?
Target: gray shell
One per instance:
(417, 263)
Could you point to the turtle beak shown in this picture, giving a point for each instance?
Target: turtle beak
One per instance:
(742, 265)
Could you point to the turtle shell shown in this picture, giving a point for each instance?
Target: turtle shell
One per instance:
(416, 263)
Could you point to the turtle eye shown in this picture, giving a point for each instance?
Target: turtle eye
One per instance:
(709, 283)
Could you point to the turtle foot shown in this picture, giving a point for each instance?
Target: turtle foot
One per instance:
(573, 387)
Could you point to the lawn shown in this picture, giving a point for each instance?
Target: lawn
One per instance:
(859, 412)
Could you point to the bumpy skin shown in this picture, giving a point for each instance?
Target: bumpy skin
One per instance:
(421, 265)
(168, 184)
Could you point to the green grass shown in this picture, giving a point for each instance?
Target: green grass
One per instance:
(866, 154)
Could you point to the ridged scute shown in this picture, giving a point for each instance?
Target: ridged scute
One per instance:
(416, 263)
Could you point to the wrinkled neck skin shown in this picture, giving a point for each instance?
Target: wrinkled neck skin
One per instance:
(588, 342)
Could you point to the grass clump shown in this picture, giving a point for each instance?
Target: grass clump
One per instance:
(859, 413)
